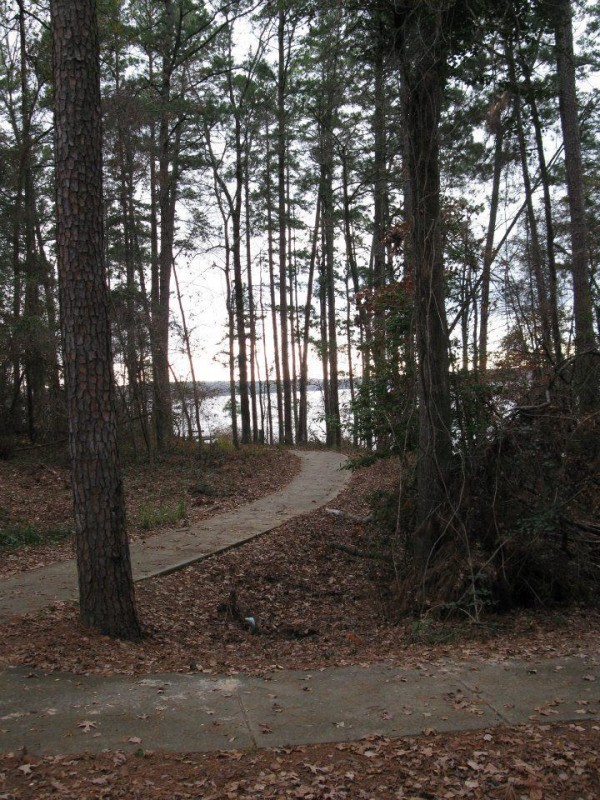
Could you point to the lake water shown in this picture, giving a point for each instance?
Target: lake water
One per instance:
(215, 415)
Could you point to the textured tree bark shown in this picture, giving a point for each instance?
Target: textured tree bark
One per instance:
(333, 425)
(323, 329)
(288, 428)
(380, 189)
(251, 303)
(423, 51)
(231, 339)
(271, 258)
(331, 15)
(587, 369)
(302, 432)
(106, 593)
(238, 280)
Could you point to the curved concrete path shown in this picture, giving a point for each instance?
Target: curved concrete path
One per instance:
(63, 713)
(318, 482)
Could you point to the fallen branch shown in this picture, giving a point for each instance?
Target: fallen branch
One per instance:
(40, 446)
(354, 551)
(588, 527)
(345, 515)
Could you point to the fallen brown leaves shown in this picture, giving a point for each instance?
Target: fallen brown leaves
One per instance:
(37, 492)
(314, 606)
(544, 762)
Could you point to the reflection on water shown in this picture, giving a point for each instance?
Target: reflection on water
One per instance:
(215, 415)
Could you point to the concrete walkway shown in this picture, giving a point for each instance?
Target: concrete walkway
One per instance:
(193, 713)
(65, 713)
(318, 482)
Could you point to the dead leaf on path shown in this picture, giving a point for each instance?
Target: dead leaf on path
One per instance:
(86, 725)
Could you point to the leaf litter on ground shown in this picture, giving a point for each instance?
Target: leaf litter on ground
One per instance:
(528, 762)
(36, 494)
(315, 606)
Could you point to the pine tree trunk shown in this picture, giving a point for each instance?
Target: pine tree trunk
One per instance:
(292, 302)
(378, 341)
(270, 437)
(231, 341)
(106, 593)
(288, 430)
(274, 318)
(587, 370)
(154, 268)
(161, 307)
(423, 63)
(326, 132)
(251, 304)
(127, 224)
(303, 402)
(238, 294)
(350, 362)
(324, 344)
(334, 431)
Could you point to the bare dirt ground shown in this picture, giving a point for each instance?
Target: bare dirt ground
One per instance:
(315, 605)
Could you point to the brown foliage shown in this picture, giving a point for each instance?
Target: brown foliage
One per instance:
(519, 524)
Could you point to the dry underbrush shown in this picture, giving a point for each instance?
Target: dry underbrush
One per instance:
(520, 524)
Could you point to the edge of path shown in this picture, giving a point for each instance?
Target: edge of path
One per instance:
(62, 713)
(319, 481)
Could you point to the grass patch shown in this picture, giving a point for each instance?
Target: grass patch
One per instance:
(14, 536)
(150, 518)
